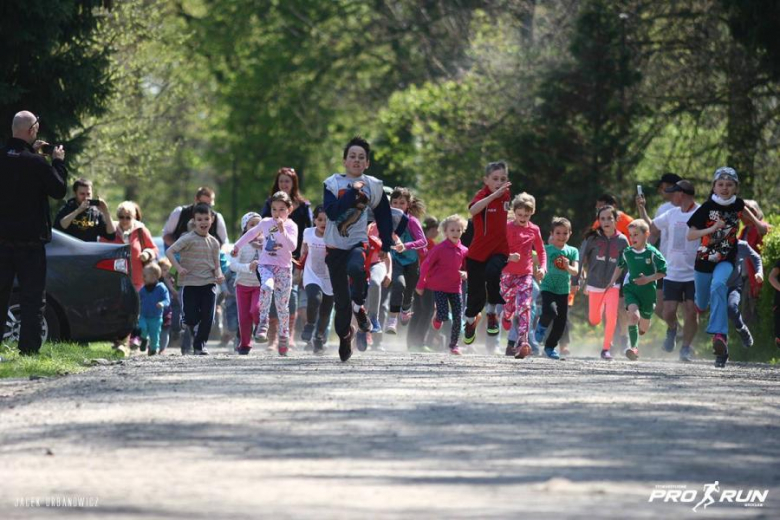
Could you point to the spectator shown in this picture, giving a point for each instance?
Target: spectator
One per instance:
(131, 231)
(83, 217)
(623, 219)
(180, 217)
(25, 223)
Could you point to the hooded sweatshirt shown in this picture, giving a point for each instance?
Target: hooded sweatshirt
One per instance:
(599, 256)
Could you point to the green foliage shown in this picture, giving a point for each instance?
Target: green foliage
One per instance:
(54, 359)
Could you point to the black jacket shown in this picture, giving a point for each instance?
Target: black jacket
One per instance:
(87, 226)
(26, 183)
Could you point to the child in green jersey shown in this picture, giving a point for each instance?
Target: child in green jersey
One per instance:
(646, 265)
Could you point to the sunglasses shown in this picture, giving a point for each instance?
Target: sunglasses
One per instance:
(125, 217)
(37, 121)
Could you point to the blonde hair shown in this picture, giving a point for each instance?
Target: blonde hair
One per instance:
(452, 219)
(152, 267)
(164, 263)
(130, 208)
(524, 201)
(640, 225)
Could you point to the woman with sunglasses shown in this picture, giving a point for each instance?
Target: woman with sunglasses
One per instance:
(131, 231)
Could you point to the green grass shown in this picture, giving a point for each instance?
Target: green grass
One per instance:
(54, 359)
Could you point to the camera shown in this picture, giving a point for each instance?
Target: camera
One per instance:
(46, 149)
(94, 202)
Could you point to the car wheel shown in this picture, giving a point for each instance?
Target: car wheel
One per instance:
(50, 330)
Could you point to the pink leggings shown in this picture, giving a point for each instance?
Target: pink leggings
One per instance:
(248, 303)
(606, 304)
(517, 291)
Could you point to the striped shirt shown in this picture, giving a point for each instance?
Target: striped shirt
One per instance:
(199, 255)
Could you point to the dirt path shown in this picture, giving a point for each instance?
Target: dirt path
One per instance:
(388, 435)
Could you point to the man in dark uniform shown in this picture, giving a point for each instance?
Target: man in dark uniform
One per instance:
(28, 181)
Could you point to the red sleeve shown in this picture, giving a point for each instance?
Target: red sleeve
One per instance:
(541, 253)
(479, 196)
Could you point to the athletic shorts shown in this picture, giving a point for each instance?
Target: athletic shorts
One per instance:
(641, 296)
(679, 291)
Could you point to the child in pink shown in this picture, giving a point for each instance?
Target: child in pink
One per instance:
(247, 284)
(443, 273)
(274, 268)
(523, 237)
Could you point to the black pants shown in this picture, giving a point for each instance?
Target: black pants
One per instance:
(404, 283)
(347, 269)
(446, 304)
(776, 312)
(199, 303)
(555, 310)
(423, 307)
(27, 262)
(484, 275)
(318, 308)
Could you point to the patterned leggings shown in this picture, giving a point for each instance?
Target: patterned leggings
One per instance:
(275, 281)
(517, 291)
(445, 302)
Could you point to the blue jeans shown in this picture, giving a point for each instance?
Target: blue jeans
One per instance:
(711, 291)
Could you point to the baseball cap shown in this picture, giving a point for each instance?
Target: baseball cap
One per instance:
(683, 186)
(669, 178)
(725, 172)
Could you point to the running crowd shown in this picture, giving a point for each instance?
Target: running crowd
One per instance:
(366, 261)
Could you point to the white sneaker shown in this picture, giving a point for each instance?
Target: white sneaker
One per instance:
(391, 327)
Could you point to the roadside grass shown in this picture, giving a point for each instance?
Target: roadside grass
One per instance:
(54, 359)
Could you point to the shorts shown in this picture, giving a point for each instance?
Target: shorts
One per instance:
(641, 296)
(679, 291)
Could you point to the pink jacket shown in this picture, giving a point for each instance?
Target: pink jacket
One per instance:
(441, 269)
(524, 240)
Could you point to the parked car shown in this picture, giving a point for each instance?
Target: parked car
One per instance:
(89, 293)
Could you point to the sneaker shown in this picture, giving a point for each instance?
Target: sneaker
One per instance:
(720, 361)
(524, 351)
(308, 332)
(362, 320)
(671, 336)
(391, 327)
(406, 317)
(283, 348)
(470, 331)
(435, 323)
(261, 335)
(455, 351)
(318, 347)
(510, 349)
(720, 346)
(632, 353)
(361, 340)
(135, 342)
(345, 345)
(745, 336)
(539, 333)
(492, 324)
(551, 353)
(202, 352)
(506, 321)
(243, 351)
(144, 343)
(152, 351)
(375, 327)
(686, 354)
(606, 355)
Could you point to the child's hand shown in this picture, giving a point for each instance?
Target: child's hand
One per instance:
(463, 276)
(399, 247)
(719, 224)
(234, 252)
(253, 265)
(387, 281)
(540, 274)
(358, 185)
(503, 189)
(183, 271)
(759, 278)
(419, 291)
(220, 278)
(160, 305)
(514, 257)
(642, 280)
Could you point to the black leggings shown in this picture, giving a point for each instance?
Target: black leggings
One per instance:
(404, 282)
(318, 308)
(442, 311)
(555, 309)
(482, 276)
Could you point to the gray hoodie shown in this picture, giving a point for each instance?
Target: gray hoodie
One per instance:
(599, 256)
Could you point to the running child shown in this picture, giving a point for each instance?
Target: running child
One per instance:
(645, 265)
(488, 249)
(406, 267)
(442, 272)
(562, 264)
(599, 253)
(199, 272)
(716, 223)
(274, 267)
(244, 264)
(316, 283)
(154, 299)
(523, 237)
(346, 196)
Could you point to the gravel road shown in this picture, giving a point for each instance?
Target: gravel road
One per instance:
(388, 435)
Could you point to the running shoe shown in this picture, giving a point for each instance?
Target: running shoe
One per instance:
(506, 322)
(345, 344)
(606, 355)
(632, 353)
(362, 320)
(492, 324)
(454, 350)
(361, 341)
(308, 332)
(406, 317)
(720, 345)
(671, 336)
(686, 354)
(391, 327)
(745, 336)
(435, 323)
(551, 353)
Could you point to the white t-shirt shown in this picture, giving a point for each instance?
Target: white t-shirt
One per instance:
(681, 252)
(664, 242)
(316, 271)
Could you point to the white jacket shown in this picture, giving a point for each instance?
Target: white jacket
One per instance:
(239, 264)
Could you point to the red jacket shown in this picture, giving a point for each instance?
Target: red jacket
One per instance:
(489, 227)
(140, 240)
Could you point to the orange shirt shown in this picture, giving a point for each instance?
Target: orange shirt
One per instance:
(622, 223)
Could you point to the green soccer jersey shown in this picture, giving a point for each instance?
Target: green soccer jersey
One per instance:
(648, 262)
